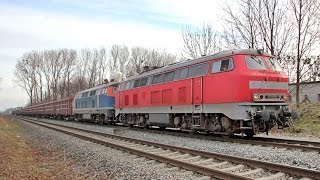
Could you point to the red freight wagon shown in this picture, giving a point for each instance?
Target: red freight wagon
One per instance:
(63, 108)
(60, 108)
(225, 93)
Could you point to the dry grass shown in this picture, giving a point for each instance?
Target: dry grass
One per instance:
(21, 160)
(309, 119)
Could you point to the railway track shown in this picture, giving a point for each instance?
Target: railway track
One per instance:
(258, 141)
(206, 163)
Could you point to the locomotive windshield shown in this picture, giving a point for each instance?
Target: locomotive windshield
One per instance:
(254, 62)
(273, 64)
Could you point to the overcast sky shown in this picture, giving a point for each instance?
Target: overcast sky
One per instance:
(27, 25)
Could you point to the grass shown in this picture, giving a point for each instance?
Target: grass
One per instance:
(19, 159)
(309, 119)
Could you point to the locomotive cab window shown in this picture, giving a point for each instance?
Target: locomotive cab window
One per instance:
(114, 89)
(256, 63)
(221, 66)
(273, 64)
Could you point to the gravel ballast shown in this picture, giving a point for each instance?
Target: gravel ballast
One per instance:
(97, 161)
(310, 160)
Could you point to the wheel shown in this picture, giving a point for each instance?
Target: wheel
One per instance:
(249, 134)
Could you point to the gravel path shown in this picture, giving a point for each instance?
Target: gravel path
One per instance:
(99, 162)
(309, 160)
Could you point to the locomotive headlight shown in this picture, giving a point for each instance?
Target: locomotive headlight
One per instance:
(284, 97)
(255, 97)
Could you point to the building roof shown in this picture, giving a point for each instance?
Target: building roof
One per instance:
(312, 82)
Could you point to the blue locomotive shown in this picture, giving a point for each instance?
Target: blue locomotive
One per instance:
(95, 104)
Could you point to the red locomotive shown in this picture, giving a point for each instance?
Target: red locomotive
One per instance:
(238, 91)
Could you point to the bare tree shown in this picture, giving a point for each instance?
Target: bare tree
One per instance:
(241, 28)
(82, 65)
(274, 25)
(51, 74)
(93, 68)
(114, 57)
(25, 75)
(119, 58)
(69, 66)
(159, 58)
(200, 42)
(123, 58)
(102, 65)
(307, 26)
(139, 57)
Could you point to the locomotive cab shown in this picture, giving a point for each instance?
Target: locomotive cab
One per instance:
(265, 89)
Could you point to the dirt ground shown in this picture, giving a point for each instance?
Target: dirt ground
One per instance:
(21, 160)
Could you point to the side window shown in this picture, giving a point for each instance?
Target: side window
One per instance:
(184, 73)
(198, 70)
(149, 80)
(85, 94)
(157, 79)
(143, 81)
(128, 84)
(168, 76)
(221, 66)
(192, 71)
(92, 93)
(114, 89)
(176, 74)
(121, 86)
(202, 70)
(136, 83)
(93, 103)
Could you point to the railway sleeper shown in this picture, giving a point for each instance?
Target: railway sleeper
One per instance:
(250, 172)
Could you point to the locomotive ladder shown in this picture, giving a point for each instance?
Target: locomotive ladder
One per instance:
(196, 119)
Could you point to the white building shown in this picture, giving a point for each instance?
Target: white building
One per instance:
(308, 90)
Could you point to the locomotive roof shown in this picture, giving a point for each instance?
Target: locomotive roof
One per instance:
(99, 87)
(200, 60)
